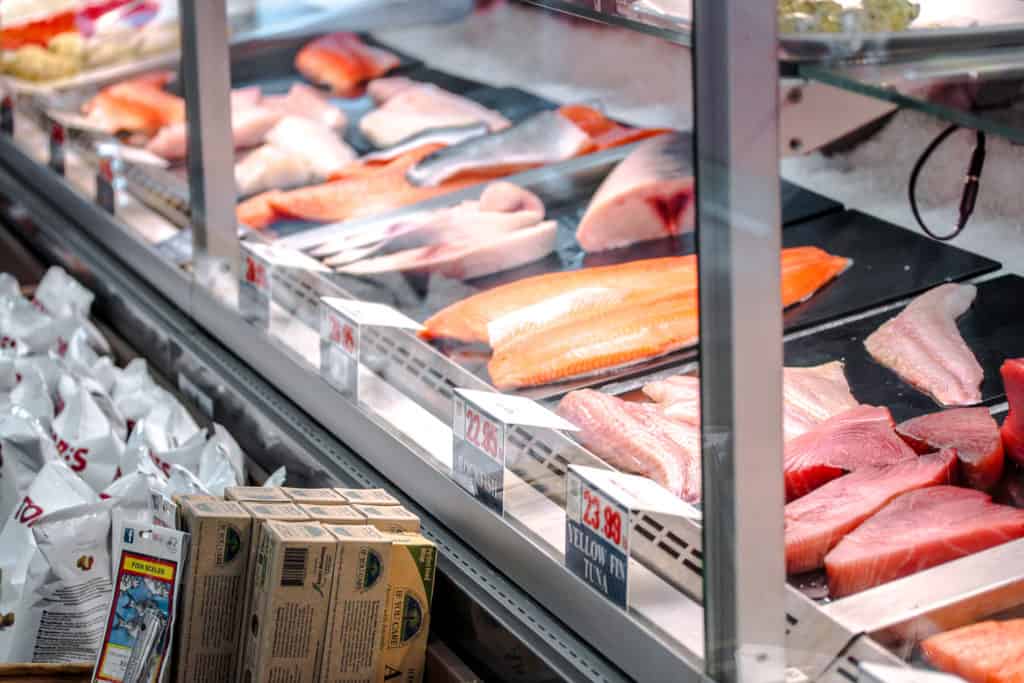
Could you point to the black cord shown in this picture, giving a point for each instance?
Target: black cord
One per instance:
(971, 183)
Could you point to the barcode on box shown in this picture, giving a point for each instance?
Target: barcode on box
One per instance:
(293, 573)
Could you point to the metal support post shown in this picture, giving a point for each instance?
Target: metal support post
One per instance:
(739, 238)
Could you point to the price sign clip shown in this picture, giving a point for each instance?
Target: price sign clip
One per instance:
(7, 112)
(343, 327)
(58, 137)
(601, 508)
(262, 266)
(107, 170)
(481, 424)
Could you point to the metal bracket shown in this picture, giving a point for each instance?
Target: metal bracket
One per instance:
(813, 114)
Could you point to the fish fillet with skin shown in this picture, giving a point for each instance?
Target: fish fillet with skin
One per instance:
(492, 254)
(635, 438)
(248, 126)
(987, 652)
(649, 195)
(628, 331)
(443, 137)
(809, 396)
(423, 107)
(971, 431)
(1012, 431)
(137, 105)
(543, 138)
(343, 61)
(924, 347)
(859, 437)
(307, 102)
(819, 520)
(918, 530)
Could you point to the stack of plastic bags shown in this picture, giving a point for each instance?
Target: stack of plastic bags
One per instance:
(84, 446)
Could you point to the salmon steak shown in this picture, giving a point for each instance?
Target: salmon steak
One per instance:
(987, 652)
(819, 520)
(918, 530)
(614, 331)
(637, 438)
(136, 105)
(859, 437)
(924, 347)
(971, 431)
(1012, 431)
(343, 62)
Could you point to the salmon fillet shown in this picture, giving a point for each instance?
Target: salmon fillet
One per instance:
(621, 332)
(637, 438)
(343, 61)
(859, 437)
(817, 522)
(988, 652)
(136, 105)
(971, 431)
(924, 347)
(918, 530)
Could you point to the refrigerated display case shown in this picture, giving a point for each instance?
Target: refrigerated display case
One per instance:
(476, 316)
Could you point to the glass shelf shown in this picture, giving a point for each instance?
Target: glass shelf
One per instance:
(983, 90)
(621, 13)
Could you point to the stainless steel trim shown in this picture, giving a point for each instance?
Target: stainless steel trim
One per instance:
(739, 241)
(639, 652)
(206, 78)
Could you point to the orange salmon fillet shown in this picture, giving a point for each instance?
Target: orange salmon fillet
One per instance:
(343, 61)
(139, 104)
(605, 133)
(988, 652)
(256, 212)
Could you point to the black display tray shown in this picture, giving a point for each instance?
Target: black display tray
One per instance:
(993, 328)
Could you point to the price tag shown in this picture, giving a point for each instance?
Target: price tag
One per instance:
(105, 195)
(343, 323)
(57, 146)
(601, 507)
(7, 113)
(254, 287)
(481, 423)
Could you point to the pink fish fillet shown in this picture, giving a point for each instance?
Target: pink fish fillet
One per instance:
(860, 437)
(918, 530)
(810, 396)
(496, 253)
(819, 520)
(924, 347)
(249, 126)
(971, 431)
(307, 102)
(243, 98)
(384, 88)
(649, 195)
(637, 438)
(422, 107)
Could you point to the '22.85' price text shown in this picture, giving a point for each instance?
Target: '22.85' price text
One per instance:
(482, 433)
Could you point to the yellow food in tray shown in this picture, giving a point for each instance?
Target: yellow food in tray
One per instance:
(828, 16)
(35, 63)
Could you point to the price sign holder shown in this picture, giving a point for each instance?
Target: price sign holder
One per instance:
(343, 327)
(7, 112)
(265, 275)
(481, 424)
(109, 162)
(58, 138)
(601, 508)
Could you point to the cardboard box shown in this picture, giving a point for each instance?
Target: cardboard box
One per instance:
(393, 519)
(213, 590)
(358, 604)
(334, 514)
(378, 497)
(262, 513)
(291, 597)
(407, 623)
(314, 496)
(255, 494)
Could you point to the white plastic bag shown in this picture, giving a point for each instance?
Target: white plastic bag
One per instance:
(86, 436)
(25, 447)
(61, 296)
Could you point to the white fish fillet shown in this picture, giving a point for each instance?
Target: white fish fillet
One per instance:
(244, 98)
(307, 102)
(422, 107)
(810, 395)
(249, 126)
(924, 347)
(317, 144)
(502, 252)
(649, 195)
(541, 139)
(269, 167)
(384, 88)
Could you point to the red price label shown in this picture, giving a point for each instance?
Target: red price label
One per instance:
(603, 517)
(106, 170)
(342, 333)
(57, 133)
(483, 433)
(255, 273)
